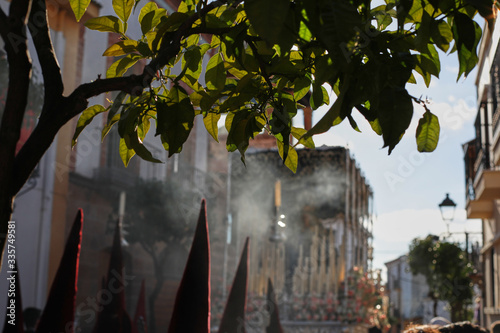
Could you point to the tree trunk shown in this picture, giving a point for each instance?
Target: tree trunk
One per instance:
(435, 307)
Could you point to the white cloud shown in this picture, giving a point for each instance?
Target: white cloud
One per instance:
(455, 114)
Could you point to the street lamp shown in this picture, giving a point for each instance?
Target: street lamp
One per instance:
(447, 208)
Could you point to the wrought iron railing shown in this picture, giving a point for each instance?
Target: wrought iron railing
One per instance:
(476, 159)
(495, 121)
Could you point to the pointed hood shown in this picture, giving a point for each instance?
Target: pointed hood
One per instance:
(114, 317)
(233, 319)
(192, 304)
(59, 312)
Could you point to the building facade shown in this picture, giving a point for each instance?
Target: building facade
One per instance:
(408, 295)
(482, 166)
(308, 229)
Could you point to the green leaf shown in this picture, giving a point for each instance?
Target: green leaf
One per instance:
(229, 121)
(175, 118)
(123, 8)
(332, 116)
(376, 126)
(109, 125)
(304, 32)
(267, 17)
(105, 24)
(150, 16)
(147, 8)
(119, 67)
(382, 17)
(186, 6)
(86, 118)
(338, 24)
(403, 9)
(172, 22)
(319, 97)
(298, 133)
(117, 103)
(242, 125)
(467, 34)
(192, 41)
(128, 120)
(143, 128)
(424, 31)
(427, 133)
(325, 70)
(132, 142)
(192, 65)
(419, 68)
(121, 48)
(427, 63)
(79, 7)
(442, 35)
(292, 158)
(211, 121)
(353, 124)
(215, 75)
(395, 110)
(125, 153)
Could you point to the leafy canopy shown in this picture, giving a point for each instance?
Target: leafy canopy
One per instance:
(267, 59)
(446, 270)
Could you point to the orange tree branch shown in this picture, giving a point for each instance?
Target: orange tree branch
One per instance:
(16, 46)
(61, 110)
(51, 71)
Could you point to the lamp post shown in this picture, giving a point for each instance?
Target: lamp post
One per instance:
(447, 208)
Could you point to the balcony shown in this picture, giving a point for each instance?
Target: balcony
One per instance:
(479, 209)
(482, 181)
(487, 185)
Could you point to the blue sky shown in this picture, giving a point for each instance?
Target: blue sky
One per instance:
(408, 185)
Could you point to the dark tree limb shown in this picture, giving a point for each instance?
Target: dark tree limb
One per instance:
(3, 25)
(16, 47)
(51, 71)
(57, 109)
(19, 11)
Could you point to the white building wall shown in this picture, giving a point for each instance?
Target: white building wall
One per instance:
(33, 218)
(88, 147)
(409, 293)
